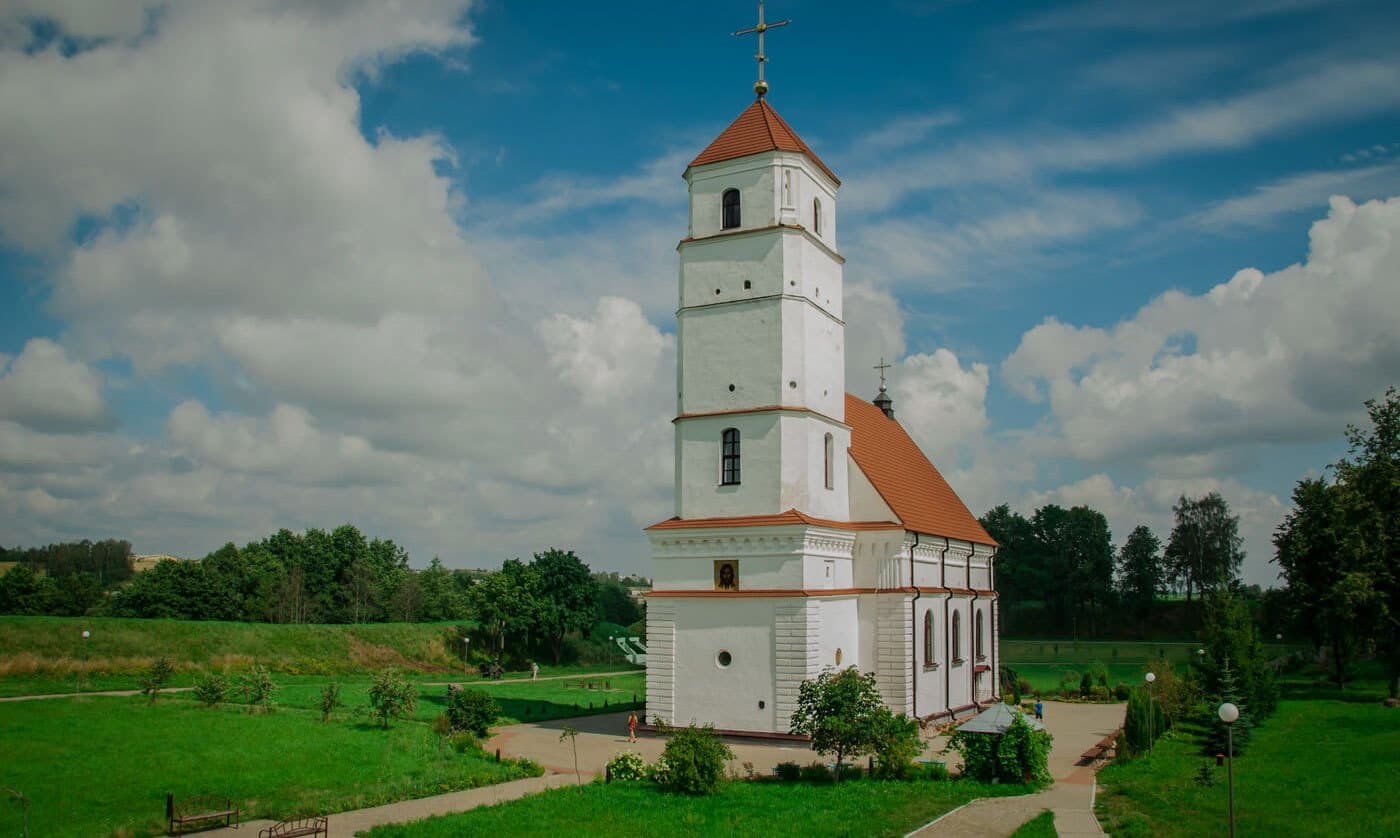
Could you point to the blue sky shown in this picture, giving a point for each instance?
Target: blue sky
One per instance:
(271, 265)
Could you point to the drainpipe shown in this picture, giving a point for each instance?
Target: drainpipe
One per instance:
(914, 635)
(992, 586)
(947, 638)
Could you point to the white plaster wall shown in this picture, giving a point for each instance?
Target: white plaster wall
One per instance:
(723, 264)
(814, 352)
(866, 503)
(758, 179)
(815, 573)
(840, 629)
(804, 466)
(698, 490)
(961, 673)
(770, 558)
(755, 178)
(661, 661)
(931, 698)
(814, 272)
(738, 345)
(880, 559)
(726, 697)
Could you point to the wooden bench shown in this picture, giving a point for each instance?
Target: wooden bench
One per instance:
(297, 828)
(1105, 749)
(202, 807)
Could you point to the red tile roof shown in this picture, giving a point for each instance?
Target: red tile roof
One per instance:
(757, 130)
(792, 516)
(904, 477)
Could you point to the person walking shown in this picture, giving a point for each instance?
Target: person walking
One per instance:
(534, 671)
(632, 726)
(1039, 711)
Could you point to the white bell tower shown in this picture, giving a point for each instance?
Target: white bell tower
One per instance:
(761, 372)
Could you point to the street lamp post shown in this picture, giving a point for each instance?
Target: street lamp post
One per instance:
(1150, 678)
(86, 635)
(466, 658)
(1229, 714)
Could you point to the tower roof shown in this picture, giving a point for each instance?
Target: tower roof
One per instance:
(757, 130)
(904, 477)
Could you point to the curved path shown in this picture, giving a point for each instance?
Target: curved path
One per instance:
(1076, 728)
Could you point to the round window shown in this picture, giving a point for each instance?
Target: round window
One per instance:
(724, 659)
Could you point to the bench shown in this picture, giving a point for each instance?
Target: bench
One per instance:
(202, 807)
(1105, 749)
(297, 828)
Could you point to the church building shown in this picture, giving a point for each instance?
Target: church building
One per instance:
(810, 530)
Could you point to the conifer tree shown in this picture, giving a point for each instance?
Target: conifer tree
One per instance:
(1229, 691)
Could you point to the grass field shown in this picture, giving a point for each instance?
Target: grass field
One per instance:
(854, 807)
(1324, 763)
(1040, 826)
(1044, 662)
(520, 700)
(100, 765)
(47, 654)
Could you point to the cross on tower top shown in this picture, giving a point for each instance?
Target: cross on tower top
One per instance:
(882, 366)
(761, 87)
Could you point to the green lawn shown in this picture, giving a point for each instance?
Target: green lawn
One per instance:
(854, 807)
(520, 700)
(48, 654)
(100, 765)
(1016, 653)
(1319, 766)
(1040, 826)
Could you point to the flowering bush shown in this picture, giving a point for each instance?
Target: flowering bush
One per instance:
(627, 766)
(659, 772)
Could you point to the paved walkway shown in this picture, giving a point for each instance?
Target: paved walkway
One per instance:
(1076, 728)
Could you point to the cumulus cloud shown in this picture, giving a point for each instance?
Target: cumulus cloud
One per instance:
(45, 389)
(941, 403)
(1281, 357)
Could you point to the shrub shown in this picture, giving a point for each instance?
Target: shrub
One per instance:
(659, 772)
(1021, 754)
(816, 773)
(1122, 691)
(1137, 724)
(472, 710)
(155, 677)
(787, 771)
(627, 766)
(1086, 681)
(391, 696)
(1098, 692)
(258, 687)
(211, 689)
(463, 742)
(931, 771)
(1099, 673)
(896, 746)
(695, 757)
(330, 700)
(442, 726)
(1025, 687)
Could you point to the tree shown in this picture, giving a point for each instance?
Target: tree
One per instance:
(391, 696)
(1021, 574)
(1231, 643)
(1204, 551)
(472, 710)
(1228, 690)
(842, 712)
(694, 759)
(504, 602)
(566, 596)
(615, 603)
(1370, 475)
(1140, 569)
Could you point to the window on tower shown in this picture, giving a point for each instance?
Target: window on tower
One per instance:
(731, 209)
(817, 216)
(729, 457)
(830, 457)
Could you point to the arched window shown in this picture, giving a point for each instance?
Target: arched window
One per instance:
(731, 209)
(817, 216)
(830, 455)
(977, 635)
(928, 638)
(729, 457)
(957, 637)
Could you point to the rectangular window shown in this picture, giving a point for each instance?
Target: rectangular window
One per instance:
(729, 458)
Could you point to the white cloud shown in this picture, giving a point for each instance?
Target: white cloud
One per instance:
(1306, 190)
(1286, 356)
(45, 389)
(942, 404)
